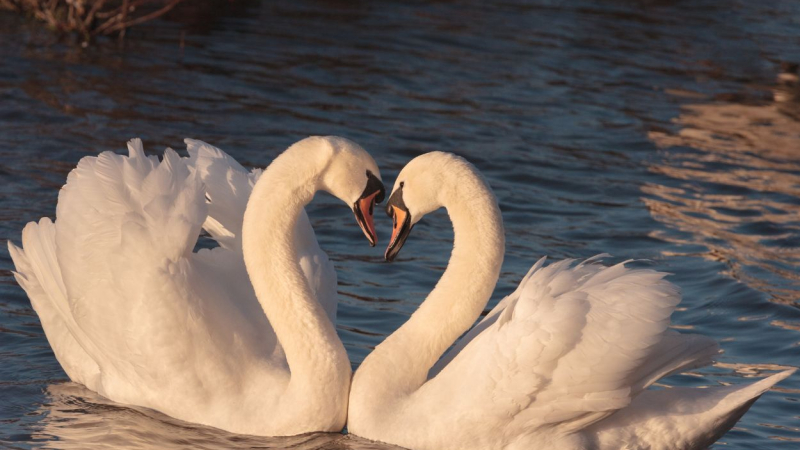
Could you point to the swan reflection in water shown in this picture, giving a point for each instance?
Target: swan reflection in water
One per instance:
(736, 191)
(77, 418)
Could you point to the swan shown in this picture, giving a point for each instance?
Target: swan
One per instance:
(239, 337)
(563, 362)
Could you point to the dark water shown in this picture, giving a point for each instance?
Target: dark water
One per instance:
(664, 130)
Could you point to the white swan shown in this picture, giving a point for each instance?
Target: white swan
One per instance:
(561, 363)
(132, 313)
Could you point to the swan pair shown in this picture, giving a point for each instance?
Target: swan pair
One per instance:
(241, 336)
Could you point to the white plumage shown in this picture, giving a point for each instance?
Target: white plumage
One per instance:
(563, 362)
(132, 313)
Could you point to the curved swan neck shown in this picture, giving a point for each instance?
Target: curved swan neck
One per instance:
(403, 360)
(313, 350)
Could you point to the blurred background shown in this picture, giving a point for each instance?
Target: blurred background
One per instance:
(659, 130)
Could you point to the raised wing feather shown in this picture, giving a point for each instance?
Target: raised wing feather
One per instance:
(152, 210)
(38, 273)
(486, 322)
(125, 230)
(228, 186)
(126, 227)
(565, 350)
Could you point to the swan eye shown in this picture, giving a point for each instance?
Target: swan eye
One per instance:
(402, 184)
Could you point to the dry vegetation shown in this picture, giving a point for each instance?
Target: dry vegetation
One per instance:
(91, 17)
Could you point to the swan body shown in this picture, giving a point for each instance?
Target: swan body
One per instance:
(238, 337)
(563, 362)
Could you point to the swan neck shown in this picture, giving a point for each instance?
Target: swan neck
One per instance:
(313, 350)
(405, 358)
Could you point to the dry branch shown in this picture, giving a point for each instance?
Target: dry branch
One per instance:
(91, 17)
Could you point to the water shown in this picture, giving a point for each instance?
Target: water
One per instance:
(661, 130)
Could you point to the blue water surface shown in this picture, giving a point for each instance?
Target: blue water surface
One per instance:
(661, 130)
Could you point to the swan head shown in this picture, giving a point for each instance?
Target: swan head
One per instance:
(422, 187)
(352, 176)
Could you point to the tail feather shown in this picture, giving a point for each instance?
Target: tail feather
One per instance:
(674, 353)
(38, 240)
(679, 418)
(38, 273)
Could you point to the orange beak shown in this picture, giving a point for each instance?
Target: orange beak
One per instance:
(401, 228)
(364, 209)
(399, 217)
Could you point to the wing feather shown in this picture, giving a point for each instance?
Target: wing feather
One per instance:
(37, 272)
(228, 186)
(115, 277)
(573, 344)
(125, 230)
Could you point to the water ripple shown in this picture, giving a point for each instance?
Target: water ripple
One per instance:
(664, 130)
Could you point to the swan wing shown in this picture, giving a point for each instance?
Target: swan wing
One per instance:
(155, 317)
(486, 322)
(38, 273)
(565, 350)
(679, 417)
(227, 188)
